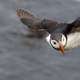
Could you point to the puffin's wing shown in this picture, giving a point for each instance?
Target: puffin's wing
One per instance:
(34, 23)
(76, 25)
(49, 25)
(27, 18)
(73, 27)
(39, 27)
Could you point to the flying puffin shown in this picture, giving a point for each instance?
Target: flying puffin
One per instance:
(61, 36)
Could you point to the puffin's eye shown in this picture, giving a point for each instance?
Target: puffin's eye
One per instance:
(54, 43)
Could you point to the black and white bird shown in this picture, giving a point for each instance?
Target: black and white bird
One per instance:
(61, 36)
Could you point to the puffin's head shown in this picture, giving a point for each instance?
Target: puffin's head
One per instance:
(58, 41)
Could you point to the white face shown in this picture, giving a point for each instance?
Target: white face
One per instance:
(56, 44)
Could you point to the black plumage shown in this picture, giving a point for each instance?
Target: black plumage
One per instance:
(41, 27)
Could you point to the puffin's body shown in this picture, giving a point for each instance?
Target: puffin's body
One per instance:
(69, 31)
(73, 40)
(72, 31)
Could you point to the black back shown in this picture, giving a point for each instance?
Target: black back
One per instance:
(73, 27)
(64, 28)
(44, 25)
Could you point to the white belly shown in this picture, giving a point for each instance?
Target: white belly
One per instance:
(73, 40)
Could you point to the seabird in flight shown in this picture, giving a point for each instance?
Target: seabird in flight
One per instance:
(61, 36)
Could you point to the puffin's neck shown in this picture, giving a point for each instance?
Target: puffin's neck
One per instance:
(73, 40)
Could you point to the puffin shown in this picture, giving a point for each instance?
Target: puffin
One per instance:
(61, 36)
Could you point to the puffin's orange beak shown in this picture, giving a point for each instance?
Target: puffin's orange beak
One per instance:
(61, 49)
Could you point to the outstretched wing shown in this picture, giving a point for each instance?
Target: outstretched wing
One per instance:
(73, 27)
(35, 24)
(76, 25)
(27, 18)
